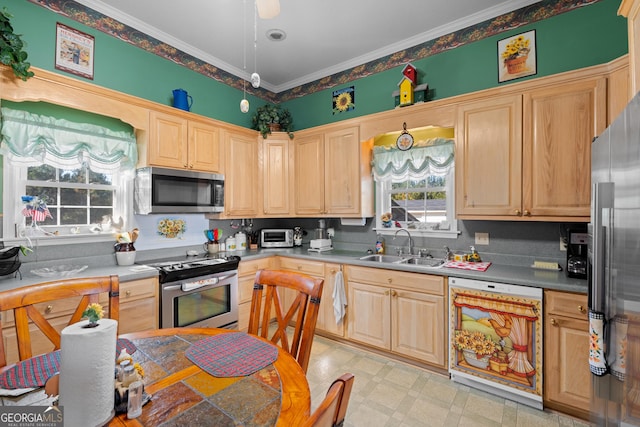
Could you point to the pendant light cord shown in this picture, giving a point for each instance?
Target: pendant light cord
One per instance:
(244, 47)
(255, 35)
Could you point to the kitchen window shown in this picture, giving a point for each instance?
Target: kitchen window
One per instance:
(415, 187)
(82, 172)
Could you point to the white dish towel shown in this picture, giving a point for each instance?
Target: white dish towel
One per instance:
(339, 298)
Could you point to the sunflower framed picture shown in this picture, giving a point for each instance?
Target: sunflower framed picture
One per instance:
(517, 56)
(344, 100)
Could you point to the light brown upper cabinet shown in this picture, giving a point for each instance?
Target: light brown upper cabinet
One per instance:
(630, 9)
(332, 173)
(528, 157)
(242, 178)
(176, 142)
(489, 157)
(275, 158)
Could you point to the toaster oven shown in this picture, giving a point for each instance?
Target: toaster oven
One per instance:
(276, 238)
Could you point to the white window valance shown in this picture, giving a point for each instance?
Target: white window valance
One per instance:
(436, 158)
(32, 139)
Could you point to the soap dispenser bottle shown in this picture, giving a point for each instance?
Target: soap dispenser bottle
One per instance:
(380, 244)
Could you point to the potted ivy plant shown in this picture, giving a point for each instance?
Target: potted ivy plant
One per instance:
(11, 45)
(272, 118)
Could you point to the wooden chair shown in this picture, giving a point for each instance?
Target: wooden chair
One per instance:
(333, 408)
(304, 307)
(23, 303)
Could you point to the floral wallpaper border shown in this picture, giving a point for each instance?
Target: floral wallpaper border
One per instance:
(523, 16)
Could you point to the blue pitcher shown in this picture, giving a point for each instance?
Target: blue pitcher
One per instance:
(182, 100)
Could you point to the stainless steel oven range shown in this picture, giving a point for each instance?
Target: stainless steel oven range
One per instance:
(198, 291)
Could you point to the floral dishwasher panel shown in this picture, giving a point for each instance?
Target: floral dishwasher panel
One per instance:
(496, 337)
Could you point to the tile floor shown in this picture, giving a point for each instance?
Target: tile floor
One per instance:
(391, 393)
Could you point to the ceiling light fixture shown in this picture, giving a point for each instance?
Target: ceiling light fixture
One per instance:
(268, 9)
(276, 35)
(255, 77)
(244, 104)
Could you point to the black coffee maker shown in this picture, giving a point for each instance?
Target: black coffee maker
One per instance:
(577, 253)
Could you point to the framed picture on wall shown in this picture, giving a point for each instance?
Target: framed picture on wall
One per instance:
(517, 56)
(74, 51)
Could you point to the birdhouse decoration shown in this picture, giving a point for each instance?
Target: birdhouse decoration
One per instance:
(409, 91)
(407, 84)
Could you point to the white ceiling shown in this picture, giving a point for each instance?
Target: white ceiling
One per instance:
(323, 37)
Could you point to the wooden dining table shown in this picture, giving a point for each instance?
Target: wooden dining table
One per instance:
(184, 394)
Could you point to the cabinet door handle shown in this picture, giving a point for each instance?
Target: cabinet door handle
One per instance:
(518, 212)
(185, 165)
(581, 309)
(526, 213)
(386, 292)
(49, 309)
(394, 294)
(127, 293)
(554, 322)
(389, 280)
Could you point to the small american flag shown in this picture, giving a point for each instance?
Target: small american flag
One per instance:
(37, 214)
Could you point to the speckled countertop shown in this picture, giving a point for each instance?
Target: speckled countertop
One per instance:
(517, 275)
(510, 274)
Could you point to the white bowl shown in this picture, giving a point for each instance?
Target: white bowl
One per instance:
(126, 258)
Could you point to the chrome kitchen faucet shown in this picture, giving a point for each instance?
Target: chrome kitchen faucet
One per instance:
(410, 239)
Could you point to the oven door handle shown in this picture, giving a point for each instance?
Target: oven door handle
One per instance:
(186, 287)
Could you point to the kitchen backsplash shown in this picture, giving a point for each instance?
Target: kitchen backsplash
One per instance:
(514, 243)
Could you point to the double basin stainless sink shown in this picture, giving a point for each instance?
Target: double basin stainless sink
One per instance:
(424, 262)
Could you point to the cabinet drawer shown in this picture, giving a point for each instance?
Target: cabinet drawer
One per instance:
(313, 268)
(566, 304)
(48, 309)
(398, 279)
(251, 267)
(136, 289)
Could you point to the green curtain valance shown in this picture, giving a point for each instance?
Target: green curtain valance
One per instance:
(436, 158)
(33, 139)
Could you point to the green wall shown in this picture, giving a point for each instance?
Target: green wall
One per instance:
(587, 36)
(126, 68)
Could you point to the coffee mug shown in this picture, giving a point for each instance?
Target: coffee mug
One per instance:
(211, 247)
(182, 100)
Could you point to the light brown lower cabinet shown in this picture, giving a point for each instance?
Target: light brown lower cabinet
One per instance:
(567, 379)
(400, 312)
(326, 322)
(138, 312)
(246, 277)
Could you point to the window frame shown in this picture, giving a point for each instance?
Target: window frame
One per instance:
(383, 195)
(14, 186)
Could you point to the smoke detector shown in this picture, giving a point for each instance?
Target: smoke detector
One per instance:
(276, 35)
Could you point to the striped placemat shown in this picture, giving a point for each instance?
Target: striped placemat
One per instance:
(233, 354)
(35, 372)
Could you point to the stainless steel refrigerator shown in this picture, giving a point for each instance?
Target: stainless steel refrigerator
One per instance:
(614, 271)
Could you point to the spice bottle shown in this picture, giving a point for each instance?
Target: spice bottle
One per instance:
(129, 375)
(134, 402)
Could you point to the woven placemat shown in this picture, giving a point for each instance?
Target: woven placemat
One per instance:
(232, 354)
(35, 372)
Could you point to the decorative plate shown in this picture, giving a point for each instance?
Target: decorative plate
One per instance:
(171, 227)
(63, 270)
(405, 140)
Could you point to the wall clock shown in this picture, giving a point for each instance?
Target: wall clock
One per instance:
(405, 139)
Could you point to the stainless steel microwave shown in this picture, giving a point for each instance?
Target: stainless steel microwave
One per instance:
(160, 190)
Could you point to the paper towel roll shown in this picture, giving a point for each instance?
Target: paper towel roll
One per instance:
(87, 362)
